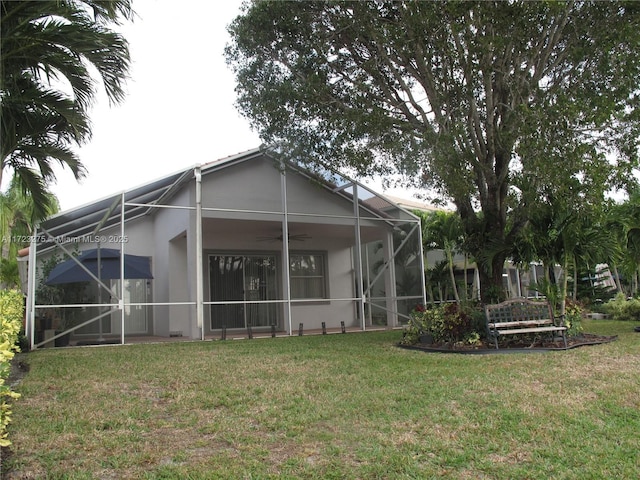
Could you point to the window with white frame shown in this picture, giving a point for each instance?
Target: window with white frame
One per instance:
(308, 275)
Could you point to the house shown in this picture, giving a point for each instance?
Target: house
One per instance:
(244, 244)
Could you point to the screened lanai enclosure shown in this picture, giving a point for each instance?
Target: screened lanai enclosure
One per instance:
(243, 244)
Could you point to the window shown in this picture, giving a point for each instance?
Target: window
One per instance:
(307, 275)
(242, 278)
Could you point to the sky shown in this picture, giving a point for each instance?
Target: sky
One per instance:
(179, 110)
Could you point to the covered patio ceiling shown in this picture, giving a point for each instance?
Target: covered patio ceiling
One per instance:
(269, 232)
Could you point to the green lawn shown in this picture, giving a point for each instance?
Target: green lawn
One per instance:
(336, 406)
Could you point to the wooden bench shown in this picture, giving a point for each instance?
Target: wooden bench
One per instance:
(522, 316)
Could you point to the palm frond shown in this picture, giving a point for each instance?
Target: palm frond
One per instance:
(43, 44)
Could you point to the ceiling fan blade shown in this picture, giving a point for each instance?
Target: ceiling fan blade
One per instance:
(266, 239)
(299, 237)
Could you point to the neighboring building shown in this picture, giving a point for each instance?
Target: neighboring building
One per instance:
(212, 237)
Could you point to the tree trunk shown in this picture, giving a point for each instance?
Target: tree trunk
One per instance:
(452, 275)
(616, 278)
(575, 280)
(466, 279)
(491, 286)
(563, 290)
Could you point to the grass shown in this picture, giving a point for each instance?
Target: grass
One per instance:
(339, 406)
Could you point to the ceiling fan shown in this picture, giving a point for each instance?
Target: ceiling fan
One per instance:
(299, 237)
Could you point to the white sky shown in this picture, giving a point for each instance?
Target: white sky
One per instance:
(179, 110)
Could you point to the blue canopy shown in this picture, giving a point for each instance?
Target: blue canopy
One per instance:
(70, 272)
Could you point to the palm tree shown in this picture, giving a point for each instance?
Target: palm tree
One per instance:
(437, 277)
(17, 216)
(443, 230)
(623, 224)
(49, 48)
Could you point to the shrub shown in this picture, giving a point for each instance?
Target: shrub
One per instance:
(420, 323)
(621, 308)
(449, 323)
(456, 324)
(11, 314)
(573, 318)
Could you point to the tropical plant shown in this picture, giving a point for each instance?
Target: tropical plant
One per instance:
(574, 312)
(623, 308)
(18, 214)
(406, 245)
(490, 104)
(443, 231)
(51, 51)
(437, 281)
(11, 315)
(63, 318)
(623, 225)
(448, 323)
(566, 233)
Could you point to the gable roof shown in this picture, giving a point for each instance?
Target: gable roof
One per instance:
(389, 201)
(104, 213)
(89, 219)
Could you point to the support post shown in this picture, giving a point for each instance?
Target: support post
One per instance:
(121, 299)
(421, 253)
(358, 257)
(31, 288)
(391, 292)
(199, 268)
(285, 248)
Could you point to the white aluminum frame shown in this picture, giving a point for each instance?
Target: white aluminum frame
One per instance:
(363, 295)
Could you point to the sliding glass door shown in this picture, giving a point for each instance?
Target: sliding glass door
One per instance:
(245, 281)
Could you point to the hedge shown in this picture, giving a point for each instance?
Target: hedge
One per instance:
(11, 315)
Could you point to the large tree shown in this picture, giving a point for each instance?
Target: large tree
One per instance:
(488, 104)
(53, 54)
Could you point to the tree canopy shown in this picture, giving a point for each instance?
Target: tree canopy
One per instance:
(54, 53)
(491, 105)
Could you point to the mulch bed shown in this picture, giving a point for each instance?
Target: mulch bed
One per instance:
(514, 345)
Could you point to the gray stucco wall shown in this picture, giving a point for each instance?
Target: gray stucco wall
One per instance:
(168, 236)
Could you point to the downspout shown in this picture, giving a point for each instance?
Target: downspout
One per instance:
(285, 247)
(199, 268)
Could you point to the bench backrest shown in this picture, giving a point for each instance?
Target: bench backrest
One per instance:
(518, 309)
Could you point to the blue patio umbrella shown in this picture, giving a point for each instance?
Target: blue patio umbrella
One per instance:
(108, 259)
